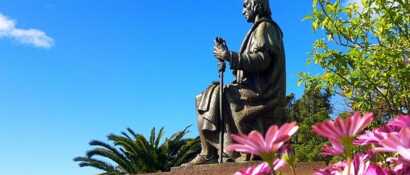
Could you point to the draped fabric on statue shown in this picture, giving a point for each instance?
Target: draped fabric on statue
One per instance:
(255, 99)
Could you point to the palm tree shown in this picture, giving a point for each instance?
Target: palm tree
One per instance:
(132, 153)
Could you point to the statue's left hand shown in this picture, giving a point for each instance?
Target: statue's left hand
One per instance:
(221, 50)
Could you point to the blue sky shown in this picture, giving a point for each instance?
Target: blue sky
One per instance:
(72, 71)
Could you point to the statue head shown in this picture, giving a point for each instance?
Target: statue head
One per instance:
(253, 9)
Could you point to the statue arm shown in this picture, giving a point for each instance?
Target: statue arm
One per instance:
(260, 57)
(251, 62)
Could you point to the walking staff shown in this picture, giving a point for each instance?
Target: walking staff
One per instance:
(221, 69)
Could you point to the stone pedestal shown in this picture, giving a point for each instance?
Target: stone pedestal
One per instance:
(231, 168)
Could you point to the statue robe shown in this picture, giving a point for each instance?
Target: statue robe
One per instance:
(256, 98)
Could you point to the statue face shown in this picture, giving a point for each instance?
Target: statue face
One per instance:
(248, 11)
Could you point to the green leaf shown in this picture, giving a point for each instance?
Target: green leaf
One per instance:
(307, 17)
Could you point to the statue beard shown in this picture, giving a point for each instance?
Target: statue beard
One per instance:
(250, 17)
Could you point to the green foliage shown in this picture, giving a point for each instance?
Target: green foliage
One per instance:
(364, 52)
(312, 107)
(132, 153)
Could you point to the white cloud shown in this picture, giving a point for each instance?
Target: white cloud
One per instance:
(33, 37)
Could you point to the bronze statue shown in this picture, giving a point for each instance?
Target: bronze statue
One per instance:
(256, 98)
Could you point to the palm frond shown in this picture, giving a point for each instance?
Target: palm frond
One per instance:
(104, 145)
(152, 137)
(178, 135)
(128, 144)
(117, 157)
(86, 161)
(129, 149)
(187, 151)
(133, 153)
(126, 135)
(159, 137)
(132, 133)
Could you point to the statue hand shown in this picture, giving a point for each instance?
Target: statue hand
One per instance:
(221, 50)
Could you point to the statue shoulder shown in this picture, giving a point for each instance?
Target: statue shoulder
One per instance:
(262, 28)
(268, 27)
(266, 34)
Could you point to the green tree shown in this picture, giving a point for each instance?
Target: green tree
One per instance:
(132, 153)
(314, 106)
(364, 53)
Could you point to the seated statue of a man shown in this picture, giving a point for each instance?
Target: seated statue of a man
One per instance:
(255, 99)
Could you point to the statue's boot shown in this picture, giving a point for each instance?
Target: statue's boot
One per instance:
(210, 159)
(202, 159)
(231, 157)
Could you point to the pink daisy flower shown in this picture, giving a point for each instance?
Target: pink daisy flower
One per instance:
(340, 128)
(401, 121)
(397, 142)
(341, 132)
(256, 144)
(262, 169)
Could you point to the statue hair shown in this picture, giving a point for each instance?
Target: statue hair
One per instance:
(262, 8)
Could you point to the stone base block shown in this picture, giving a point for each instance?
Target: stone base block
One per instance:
(231, 168)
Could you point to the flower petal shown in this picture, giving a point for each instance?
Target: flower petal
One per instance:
(242, 148)
(278, 163)
(401, 121)
(271, 135)
(288, 129)
(243, 139)
(404, 152)
(335, 148)
(257, 138)
(260, 169)
(340, 126)
(405, 137)
(362, 122)
(354, 120)
(325, 129)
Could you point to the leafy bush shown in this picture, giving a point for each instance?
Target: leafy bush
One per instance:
(364, 52)
(314, 106)
(132, 153)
